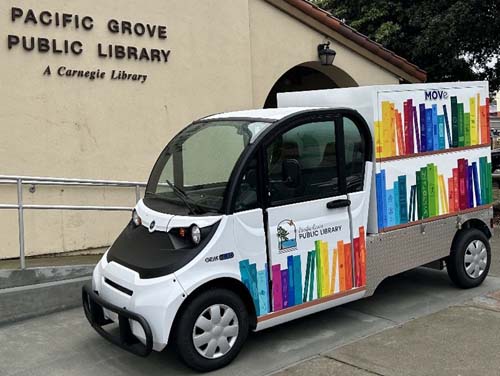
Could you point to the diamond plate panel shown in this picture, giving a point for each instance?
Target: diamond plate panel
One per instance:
(396, 251)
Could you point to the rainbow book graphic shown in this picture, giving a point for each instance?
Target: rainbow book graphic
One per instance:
(321, 272)
(468, 185)
(431, 126)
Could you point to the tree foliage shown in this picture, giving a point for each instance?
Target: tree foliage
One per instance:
(451, 40)
(282, 233)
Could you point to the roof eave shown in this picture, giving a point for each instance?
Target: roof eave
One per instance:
(326, 23)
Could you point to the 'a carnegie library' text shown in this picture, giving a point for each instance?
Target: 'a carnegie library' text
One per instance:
(96, 74)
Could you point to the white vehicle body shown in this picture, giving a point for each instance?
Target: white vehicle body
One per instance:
(293, 254)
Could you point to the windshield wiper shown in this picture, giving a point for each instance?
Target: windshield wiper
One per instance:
(184, 197)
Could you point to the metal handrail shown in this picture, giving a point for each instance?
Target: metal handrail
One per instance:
(19, 181)
(10, 179)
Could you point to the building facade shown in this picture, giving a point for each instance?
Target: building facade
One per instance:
(94, 89)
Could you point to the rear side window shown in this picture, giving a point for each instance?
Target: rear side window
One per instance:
(355, 149)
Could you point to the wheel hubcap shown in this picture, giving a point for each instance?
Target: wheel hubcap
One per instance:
(215, 331)
(476, 259)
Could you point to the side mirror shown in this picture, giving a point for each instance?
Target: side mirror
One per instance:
(291, 173)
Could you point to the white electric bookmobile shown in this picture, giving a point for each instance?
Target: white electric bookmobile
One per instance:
(254, 218)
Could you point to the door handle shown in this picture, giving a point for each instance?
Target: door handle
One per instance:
(335, 204)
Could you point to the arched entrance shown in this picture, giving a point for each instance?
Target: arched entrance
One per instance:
(308, 76)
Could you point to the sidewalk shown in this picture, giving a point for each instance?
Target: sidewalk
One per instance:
(63, 343)
(52, 260)
(459, 340)
(416, 324)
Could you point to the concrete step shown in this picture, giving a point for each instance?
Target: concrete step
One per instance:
(37, 291)
(22, 302)
(15, 277)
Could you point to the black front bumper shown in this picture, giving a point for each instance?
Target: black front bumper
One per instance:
(93, 306)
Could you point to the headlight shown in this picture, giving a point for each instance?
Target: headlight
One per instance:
(195, 234)
(136, 219)
(191, 237)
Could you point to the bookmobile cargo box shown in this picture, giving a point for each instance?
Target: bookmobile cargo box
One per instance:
(432, 148)
(254, 218)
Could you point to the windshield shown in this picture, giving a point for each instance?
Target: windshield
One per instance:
(193, 171)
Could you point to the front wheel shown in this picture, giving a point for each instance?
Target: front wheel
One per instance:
(212, 330)
(470, 259)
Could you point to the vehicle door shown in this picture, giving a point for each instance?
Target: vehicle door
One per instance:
(309, 233)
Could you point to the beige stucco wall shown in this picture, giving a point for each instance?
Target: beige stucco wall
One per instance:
(278, 40)
(225, 55)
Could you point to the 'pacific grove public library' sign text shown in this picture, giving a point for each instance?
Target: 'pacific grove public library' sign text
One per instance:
(50, 19)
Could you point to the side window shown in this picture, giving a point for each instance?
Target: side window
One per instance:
(302, 164)
(355, 148)
(246, 194)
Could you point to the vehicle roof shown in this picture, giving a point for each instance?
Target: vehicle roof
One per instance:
(266, 113)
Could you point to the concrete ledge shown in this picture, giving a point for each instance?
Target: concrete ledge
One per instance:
(15, 277)
(18, 303)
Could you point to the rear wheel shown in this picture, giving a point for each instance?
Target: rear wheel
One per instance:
(212, 330)
(470, 258)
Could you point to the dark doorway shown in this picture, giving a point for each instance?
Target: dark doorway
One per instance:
(299, 78)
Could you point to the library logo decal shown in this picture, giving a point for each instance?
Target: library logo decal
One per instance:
(287, 236)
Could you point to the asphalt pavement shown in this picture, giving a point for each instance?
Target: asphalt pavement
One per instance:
(417, 323)
(495, 254)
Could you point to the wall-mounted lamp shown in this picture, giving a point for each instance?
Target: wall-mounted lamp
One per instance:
(325, 54)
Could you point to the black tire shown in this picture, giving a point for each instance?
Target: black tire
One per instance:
(186, 324)
(455, 263)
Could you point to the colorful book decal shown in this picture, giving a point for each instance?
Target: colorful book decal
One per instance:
(469, 186)
(257, 282)
(420, 128)
(290, 287)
